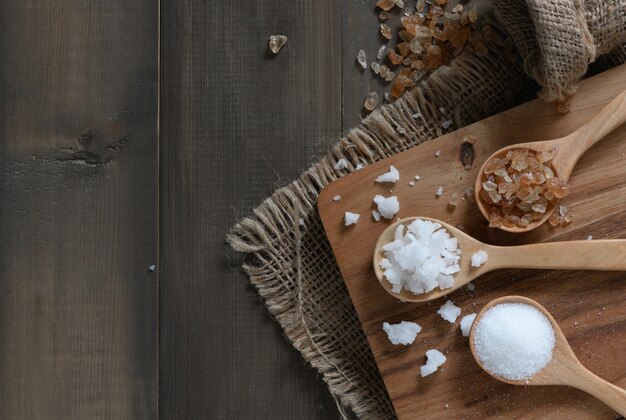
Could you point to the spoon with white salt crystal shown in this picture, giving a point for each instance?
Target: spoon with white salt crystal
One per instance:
(406, 277)
(516, 340)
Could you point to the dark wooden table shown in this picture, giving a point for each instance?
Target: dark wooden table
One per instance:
(118, 296)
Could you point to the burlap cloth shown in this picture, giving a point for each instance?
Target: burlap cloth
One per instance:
(558, 39)
(291, 262)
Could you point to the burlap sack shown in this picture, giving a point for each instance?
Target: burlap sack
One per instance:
(292, 265)
(558, 39)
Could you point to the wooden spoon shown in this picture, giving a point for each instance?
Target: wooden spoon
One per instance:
(607, 254)
(564, 368)
(570, 149)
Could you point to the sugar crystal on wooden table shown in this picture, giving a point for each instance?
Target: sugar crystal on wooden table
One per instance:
(384, 16)
(375, 67)
(385, 30)
(386, 5)
(276, 42)
(454, 199)
(394, 57)
(381, 52)
(400, 84)
(362, 59)
(371, 102)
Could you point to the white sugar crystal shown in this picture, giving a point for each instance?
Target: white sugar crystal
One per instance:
(422, 258)
(416, 115)
(514, 341)
(466, 324)
(341, 164)
(387, 207)
(359, 166)
(402, 333)
(439, 191)
(438, 153)
(449, 311)
(301, 221)
(411, 183)
(381, 52)
(479, 258)
(392, 176)
(376, 215)
(337, 197)
(471, 287)
(590, 237)
(434, 359)
(446, 124)
(417, 177)
(351, 218)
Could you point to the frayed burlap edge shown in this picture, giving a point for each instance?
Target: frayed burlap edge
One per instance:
(470, 89)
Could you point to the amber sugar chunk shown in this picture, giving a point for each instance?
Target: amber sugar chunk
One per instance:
(386, 5)
(521, 187)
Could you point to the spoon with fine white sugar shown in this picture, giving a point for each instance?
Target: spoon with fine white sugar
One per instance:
(606, 255)
(561, 366)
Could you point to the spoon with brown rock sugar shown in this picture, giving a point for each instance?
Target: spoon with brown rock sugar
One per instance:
(519, 186)
(516, 340)
(419, 259)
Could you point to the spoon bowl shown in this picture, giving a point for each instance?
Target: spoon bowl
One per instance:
(569, 150)
(563, 369)
(605, 254)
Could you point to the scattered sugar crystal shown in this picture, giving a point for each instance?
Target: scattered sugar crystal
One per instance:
(417, 177)
(479, 258)
(392, 176)
(376, 215)
(442, 109)
(359, 166)
(390, 76)
(438, 153)
(341, 164)
(337, 197)
(590, 237)
(420, 259)
(417, 115)
(401, 130)
(446, 124)
(375, 67)
(351, 218)
(449, 311)
(362, 59)
(514, 341)
(371, 101)
(385, 30)
(381, 52)
(411, 183)
(434, 359)
(383, 17)
(471, 287)
(402, 333)
(387, 207)
(466, 324)
(454, 199)
(276, 42)
(439, 191)
(301, 221)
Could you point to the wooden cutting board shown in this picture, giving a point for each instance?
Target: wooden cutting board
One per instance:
(589, 306)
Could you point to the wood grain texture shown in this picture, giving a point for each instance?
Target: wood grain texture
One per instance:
(587, 305)
(78, 209)
(235, 122)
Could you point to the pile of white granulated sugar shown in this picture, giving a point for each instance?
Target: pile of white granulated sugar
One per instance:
(421, 259)
(514, 341)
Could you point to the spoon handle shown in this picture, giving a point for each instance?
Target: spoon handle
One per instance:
(611, 395)
(607, 254)
(608, 119)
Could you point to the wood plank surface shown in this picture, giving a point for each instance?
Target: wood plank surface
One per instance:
(78, 209)
(588, 305)
(235, 122)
